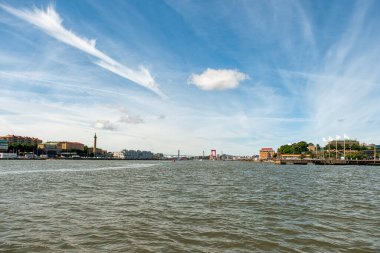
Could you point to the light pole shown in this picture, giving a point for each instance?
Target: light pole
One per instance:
(351, 150)
(322, 148)
(329, 150)
(344, 147)
(316, 151)
(374, 153)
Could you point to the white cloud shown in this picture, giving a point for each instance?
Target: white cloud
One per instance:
(50, 22)
(105, 125)
(217, 79)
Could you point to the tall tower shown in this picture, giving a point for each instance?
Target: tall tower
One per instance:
(94, 149)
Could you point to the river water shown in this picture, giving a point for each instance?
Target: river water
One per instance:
(189, 206)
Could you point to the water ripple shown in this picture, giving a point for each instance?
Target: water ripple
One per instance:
(120, 206)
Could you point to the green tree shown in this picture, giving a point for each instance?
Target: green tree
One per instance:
(85, 150)
(295, 148)
(355, 146)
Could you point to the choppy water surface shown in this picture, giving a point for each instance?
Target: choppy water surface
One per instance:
(121, 206)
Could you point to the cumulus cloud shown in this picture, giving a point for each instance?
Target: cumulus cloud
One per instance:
(131, 119)
(50, 22)
(217, 79)
(104, 124)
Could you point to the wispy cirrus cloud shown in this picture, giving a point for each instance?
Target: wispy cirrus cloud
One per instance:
(341, 92)
(50, 22)
(217, 79)
(131, 119)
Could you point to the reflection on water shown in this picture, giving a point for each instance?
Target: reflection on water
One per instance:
(120, 206)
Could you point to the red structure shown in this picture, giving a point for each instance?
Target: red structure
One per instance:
(213, 155)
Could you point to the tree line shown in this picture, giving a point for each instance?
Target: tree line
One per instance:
(302, 148)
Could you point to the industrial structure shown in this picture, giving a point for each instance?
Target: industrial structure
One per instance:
(213, 155)
(94, 147)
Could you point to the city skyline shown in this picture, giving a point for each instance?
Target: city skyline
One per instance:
(168, 75)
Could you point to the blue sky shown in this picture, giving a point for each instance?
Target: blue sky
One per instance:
(191, 75)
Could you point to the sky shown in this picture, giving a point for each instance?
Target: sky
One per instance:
(163, 76)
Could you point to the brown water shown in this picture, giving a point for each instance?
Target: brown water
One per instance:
(121, 206)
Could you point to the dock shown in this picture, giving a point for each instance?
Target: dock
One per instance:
(327, 162)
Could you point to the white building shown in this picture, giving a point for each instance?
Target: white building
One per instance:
(118, 155)
(3, 145)
(8, 155)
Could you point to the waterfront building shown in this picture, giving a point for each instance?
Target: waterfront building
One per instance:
(98, 151)
(67, 146)
(8, 155)
(311, 148)
(64, 148)
(266, 154)
(14, 139)
(226, 157)
(138, 155)
(344, 142)
(48, 145)
(50, 148)
(4, 145)
(290, 156)
(30, 156)
(118, 155)
(371, 152)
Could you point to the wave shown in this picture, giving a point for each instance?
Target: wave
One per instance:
(130, 166)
